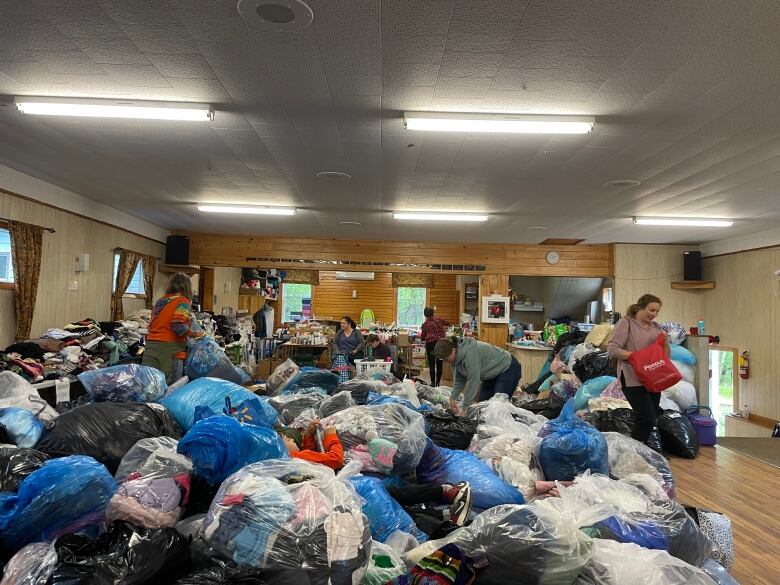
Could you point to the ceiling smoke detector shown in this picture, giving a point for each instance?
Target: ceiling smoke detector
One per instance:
(623, 183)
(334, 176)
(276, 15)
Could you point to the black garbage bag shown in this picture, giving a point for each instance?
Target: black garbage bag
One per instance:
(619, 420)
(107, 430)
(654, 441)
(678, 436)
(549, 407)
(450, 431)
(125, 555)
(18, 464)
(67, 405)
(228, 575)
(533, 388)
(593, 365)
(359, 389)
(571, 338)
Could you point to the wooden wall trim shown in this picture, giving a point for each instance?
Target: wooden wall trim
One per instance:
(521, 259)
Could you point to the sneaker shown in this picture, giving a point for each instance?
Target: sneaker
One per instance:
(461, 506)
(451, 492)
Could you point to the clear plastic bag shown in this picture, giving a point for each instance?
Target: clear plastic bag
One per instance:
(436, 396)
(405, 390)
(676, 331)
(125, 383)
(63, 496)
(32, 565)
(290, 407)
(615, 563)
(507, 418)
(282, 374)
(537, 543)
(17, 392)
(360, 389)
(592, 388)
(210, 393)
(514, 459)
(154, 482)
(385, 565)
(290, 513)
(718, 573)
(570, 447)
(336, 403)
(681, 354)
(386, 438)
(688, 371)
(220, 446)
(21, 427)
(309, 377)
(683, 394)
(205, 358)
(440, 466)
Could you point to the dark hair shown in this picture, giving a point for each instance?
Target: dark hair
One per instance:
(428, 312)
(349, 320)
(642, 303)
(372, 337)
(180, 285)
(443, 348)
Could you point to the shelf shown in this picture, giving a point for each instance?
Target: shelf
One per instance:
(528, 308)
(173, 268)
(693, 285)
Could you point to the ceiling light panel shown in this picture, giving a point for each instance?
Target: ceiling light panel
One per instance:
(247, 209)
(492, 123)
(94, 108)
(683, 221)
(436, 216)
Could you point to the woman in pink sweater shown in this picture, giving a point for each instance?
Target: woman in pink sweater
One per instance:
(636, 331)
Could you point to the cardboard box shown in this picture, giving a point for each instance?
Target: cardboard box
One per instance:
(265, 368)
(402, 340)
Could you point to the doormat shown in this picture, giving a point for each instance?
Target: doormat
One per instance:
(761, 448)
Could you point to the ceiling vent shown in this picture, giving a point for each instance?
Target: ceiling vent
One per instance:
(354, 275)
(276, 15)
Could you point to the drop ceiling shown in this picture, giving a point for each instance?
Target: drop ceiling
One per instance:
(684, 94)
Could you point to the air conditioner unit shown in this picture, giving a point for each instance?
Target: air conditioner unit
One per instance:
(354, 275)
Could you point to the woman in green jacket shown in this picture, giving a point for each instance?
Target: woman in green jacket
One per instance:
(476, 364)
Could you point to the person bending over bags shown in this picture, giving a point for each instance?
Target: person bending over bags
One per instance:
(478, 364)
(304, 446)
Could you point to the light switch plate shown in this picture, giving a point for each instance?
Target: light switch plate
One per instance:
(73, 285)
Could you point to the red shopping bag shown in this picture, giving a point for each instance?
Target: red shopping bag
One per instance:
(654, 368)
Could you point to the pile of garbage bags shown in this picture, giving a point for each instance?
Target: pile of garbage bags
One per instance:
(205, 358)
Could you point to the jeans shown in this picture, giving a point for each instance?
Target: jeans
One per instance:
(435, 367)
(413, 497)
(505, 383)
(645, 406)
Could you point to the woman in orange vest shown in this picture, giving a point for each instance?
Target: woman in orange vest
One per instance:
(166, 342)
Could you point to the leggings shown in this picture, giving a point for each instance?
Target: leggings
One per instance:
(435, 367)
(645, 406)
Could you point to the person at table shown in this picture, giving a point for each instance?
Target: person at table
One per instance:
(379, 350)
(432, 330)
(169, 330)
(481, 370)
(349, 341)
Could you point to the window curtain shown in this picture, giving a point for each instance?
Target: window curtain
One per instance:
(26, 249)
(149, 267)
(302, 277)
(412, 280)
(128, 262)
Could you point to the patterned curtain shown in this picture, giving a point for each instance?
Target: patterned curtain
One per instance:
(128, 262)
(149, 266)
(26, 247)
(302, 277)
(412, 280)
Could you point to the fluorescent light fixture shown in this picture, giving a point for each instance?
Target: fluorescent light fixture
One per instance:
(521, 124)
(683, 221)
(96, 108)
(247, 209)
(436, 216)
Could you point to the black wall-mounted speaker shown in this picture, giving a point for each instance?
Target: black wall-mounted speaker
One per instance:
(177, 250)
(691, 265)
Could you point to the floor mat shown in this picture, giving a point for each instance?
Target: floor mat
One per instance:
(761, 448)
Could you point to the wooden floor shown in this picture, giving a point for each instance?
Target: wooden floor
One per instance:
(748, 491)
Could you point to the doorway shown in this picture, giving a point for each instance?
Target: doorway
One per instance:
(723, 385)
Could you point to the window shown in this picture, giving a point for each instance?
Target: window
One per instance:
(136, 286)
(292, 299)
(6, 265)
(411, 304)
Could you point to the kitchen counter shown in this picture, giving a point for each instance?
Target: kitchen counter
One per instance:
(531, 360)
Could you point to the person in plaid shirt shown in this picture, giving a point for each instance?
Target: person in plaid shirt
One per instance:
(432, 330)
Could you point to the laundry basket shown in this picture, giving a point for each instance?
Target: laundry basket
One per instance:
(704, 424)
(362, 366)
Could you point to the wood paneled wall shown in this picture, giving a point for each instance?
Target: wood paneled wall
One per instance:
(56, 305)
(495, 333)
(333, 298)
(229, 250)
(744, 311)
(444, 297)
(644, 268)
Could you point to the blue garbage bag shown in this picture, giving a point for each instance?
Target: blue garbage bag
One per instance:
(125, 383)
(21, 426)
(644, 534)
(210, 393)
(252, 411)
(440, 465)
(682, 355)
(375, 398)
(220, 445)
(205, 358)
(309, 377)
(591, 389)
(384, 514)
(62, 497)
(571, 446)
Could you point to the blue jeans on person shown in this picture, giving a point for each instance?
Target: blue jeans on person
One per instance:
(505, 383)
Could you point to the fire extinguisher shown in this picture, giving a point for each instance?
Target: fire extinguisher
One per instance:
(744, 365)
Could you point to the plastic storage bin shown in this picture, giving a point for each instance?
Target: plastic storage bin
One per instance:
(705, 426)
(365, 365)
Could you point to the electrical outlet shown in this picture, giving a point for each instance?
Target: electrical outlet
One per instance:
(73, 285)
